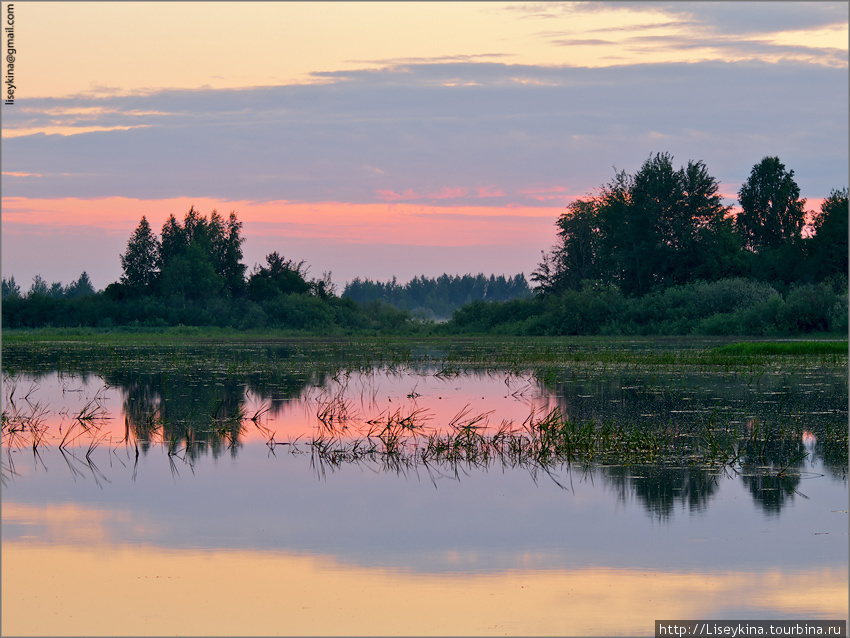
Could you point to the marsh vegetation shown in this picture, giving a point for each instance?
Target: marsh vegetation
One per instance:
(768, 411)
(466, 462)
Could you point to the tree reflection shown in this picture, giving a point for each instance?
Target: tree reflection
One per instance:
(660, 438)
(771, 465)
(201, 409)
(662, 489)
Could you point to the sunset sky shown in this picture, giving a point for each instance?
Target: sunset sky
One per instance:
(381, 139)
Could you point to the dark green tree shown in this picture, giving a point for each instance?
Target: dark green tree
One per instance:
(708, 249)
(191, 274)
(201, 257)
(196, 229)
(677, 215)
(663, 227)
(11, 288)
(80, 288)
(39, 287)
(278, 276)
(216, 241)
(617, 231)
(229, 249)
(574, 259)
(140, 261)
(654, 220)
(771, 209)
(827, 247)
(173, 242)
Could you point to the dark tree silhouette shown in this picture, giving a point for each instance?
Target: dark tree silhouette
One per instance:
(827, 248)
(140, 261)
(11, 288)
(201, 258)
(82, 287)
(772, 212)
(279, 276)
(660, 228)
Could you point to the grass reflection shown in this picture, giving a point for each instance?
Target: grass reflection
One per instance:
(769, 413)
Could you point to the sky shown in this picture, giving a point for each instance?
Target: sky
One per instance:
(390, 139)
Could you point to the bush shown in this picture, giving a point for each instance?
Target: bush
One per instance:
(721, 324)
(728, 295)
(808, 308)
(838, 315)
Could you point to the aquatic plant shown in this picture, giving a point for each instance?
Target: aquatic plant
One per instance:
(210, 413)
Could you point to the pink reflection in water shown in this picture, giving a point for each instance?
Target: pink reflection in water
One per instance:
(77, 412)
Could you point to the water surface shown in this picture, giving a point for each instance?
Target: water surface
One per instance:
(215, 499)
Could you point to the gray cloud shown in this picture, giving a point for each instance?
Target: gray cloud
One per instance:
(729, 18)
(478, 57)
(737, 27)
(741, 48)
(762, 17)
(403, 129)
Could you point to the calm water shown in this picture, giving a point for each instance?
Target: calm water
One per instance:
(190, 499)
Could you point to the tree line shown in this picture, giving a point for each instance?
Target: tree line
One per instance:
(664, 227)
(82, 287)
(192, 274)
(437, 298)
(656, 252)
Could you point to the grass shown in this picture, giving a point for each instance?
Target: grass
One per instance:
(550, 441)
(306, 356)
(799, 348)
(544, 441)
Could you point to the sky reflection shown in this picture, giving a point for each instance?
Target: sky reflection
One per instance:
(146, 590)
(228, 535)
(480, 521)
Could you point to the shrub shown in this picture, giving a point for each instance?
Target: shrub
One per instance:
(808, 308)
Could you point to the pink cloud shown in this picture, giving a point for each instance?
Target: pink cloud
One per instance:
(390, 222)
(388, 196)
(449, 193)
(392, 196)
(545, 193)
(444, 193)
(490, 191)
(350, 239)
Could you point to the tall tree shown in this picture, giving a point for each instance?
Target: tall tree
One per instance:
(39, 287)
(233, 270)
(661, 227)
(575, 258)
(655, 219)
(827, 247)
(140, 261)
(11, 288)
(188, 257)
(174, 241)
(709, 249)
(771, 209)
(196, 228)
(210, 249)
(617, 231)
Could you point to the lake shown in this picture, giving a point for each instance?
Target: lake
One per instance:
(375, 487)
